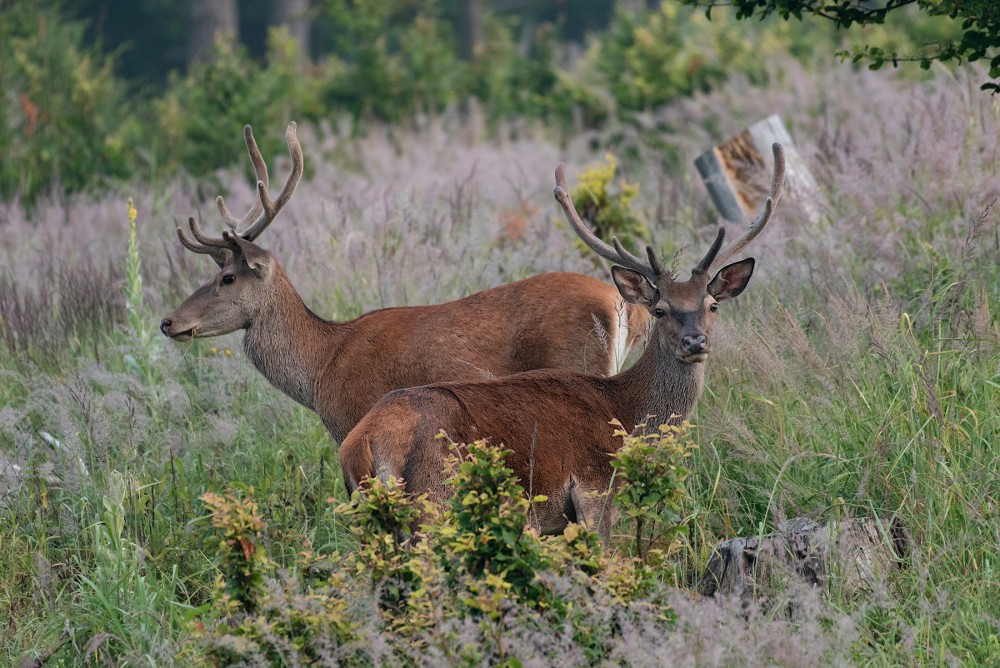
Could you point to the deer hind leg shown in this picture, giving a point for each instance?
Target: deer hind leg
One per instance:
(594, 509)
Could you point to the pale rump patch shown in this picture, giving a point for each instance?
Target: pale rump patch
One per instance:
(621, 343)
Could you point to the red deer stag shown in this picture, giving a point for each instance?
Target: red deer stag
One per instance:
(340, 370)
(556, 422)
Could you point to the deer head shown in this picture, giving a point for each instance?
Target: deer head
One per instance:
(684, 311)
(248, 274)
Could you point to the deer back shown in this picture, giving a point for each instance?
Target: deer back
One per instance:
(556, 424)
(556, 320)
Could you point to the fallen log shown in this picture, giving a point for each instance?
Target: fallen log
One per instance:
(855, 553)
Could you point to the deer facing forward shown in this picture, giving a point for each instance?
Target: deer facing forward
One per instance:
(556, 423)
(340, 370)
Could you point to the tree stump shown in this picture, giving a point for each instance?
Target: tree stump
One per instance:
(737, 172)
(855, 553)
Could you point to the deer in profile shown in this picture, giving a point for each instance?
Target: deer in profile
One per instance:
(555, 423)
(340, 370)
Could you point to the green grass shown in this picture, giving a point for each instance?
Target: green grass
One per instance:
(832, 394)
(839, 405)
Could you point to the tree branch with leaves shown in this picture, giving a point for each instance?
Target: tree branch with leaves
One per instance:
(978, 21)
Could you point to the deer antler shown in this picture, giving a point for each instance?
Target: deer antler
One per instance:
(264, 209)
(755, 227)
(260, 171)
(701, 269)
(652, 270)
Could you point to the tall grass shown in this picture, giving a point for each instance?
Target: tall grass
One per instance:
(860, 375)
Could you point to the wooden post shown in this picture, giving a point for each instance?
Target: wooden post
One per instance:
(853, 552)
(737, 172)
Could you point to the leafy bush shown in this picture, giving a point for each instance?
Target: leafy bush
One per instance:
(961, 29)
(475, 559)
(201, 114)
(651, 469)
(239, 549)
(396, 59)
(63, 118)
(650, 58)
(606, 205)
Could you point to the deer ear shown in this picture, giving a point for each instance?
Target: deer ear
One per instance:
(731, 279)
(256, 258)
(634, 287)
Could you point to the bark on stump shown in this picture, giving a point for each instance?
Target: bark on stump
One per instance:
(854, 553)
(737, 172)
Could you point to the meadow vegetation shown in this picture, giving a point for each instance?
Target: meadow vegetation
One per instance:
(393, 62)
(161, 504)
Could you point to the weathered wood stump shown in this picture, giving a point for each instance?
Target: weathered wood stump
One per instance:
(737, 172)
(855, 553)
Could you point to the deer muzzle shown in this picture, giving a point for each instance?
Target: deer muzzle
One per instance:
(694, 348)
(168, 328)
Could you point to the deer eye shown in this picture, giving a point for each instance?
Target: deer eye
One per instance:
(714, 307)
(228, 279)
(659, 312)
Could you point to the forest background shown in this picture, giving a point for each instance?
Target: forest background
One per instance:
(140, 88)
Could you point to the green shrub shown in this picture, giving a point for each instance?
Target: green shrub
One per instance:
(64, 120)
(483, 537)
(475, 558)
(239, 529)
(201, 115)
(606, 205)
(651, 469)
(650, 58)
(396, 59)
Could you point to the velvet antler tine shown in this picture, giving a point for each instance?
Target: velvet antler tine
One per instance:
(654, 261)
(218, 254)
(706, 262)
(616, 253)
(270, 208)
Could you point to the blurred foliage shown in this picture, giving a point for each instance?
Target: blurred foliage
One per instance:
(974, 27)
(650, 58)
(606, 205)
(201, 115)
(69, 121)
(397, 56)
(64, 121)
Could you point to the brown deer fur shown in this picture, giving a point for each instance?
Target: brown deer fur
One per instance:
(556, 423)
(341, 369)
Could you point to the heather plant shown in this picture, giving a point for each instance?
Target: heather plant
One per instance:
(651, 472)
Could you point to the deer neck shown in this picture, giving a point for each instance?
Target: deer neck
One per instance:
(658, 384)
(288, 343)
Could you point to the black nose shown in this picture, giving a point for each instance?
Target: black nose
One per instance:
(165, 326)
(694, 344)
